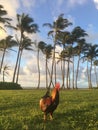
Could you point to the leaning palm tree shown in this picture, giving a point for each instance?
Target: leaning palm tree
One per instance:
(25, 45)
(24, 24)
(58, 25)
(6, 44)
(5, 70)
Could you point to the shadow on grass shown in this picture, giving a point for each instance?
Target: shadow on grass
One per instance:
(70, 120)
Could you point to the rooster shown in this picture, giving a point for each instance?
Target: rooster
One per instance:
(49, 103)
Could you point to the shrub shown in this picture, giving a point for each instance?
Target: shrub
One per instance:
(9, 86)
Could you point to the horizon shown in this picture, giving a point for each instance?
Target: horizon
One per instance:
(83, 13)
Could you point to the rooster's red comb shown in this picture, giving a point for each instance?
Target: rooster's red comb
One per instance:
(57, 85)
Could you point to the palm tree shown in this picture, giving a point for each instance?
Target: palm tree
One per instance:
(58, 25)
(91, 54)
(78, 35)
(5, 71)
(48, 54)
(24, 24)
(40, 47)
(6, 44)
(62, 60)
(25, 45)
(68, 54)
(78, 51)
(64, 39)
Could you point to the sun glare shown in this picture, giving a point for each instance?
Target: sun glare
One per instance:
(2, 34)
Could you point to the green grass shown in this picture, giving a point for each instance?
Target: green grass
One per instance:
(19, 110)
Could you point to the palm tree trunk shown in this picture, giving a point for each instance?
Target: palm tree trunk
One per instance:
(49, 75)
(73, 75)
(3, 76)
(90, 75)
(46, 74)
(18, 66)
(63, 69)
(63, 73)
(38, 69)
(15, 69)
(55, 71)
(77, 71)
(53, 61)
(69, 85)
(96, 76)
(67, 76)
(2, 60)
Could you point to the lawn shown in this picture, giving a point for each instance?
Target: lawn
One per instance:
(19, 110)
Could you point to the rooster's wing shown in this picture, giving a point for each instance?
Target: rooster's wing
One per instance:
(44, 103)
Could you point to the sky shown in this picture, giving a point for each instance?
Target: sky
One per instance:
(83, 13)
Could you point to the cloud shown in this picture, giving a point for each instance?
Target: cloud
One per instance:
(92, 34)
(3, 34)
(28, 80)
(59, 6)
(10, 6)
(28, 4)
(92, 38)
(60, 2)
(72, 3)
(15, 6)
(96, 3)
(30, 66)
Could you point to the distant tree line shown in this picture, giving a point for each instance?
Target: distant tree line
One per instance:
(73, 44)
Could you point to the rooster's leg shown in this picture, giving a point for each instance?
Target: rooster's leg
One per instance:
(45, 116)
(51, 116)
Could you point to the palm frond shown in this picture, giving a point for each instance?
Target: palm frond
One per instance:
(2, 29)
(50, 33)
(12, 50)
(48, 25)
(12, 27)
